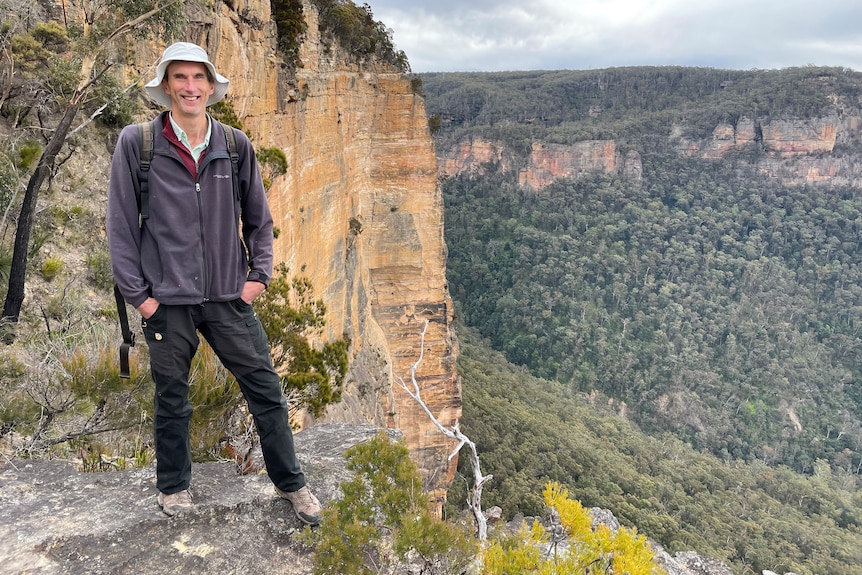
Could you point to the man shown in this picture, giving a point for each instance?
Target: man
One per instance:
(186, 270)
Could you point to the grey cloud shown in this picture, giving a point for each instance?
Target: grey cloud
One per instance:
(488, 35)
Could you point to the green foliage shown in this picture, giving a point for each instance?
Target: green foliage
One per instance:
(384, 502)
(99, 271)
(356, 31)
(38, 57)
(712, 301)
(636, 103)
(589, 551)
(119, 107)
(168, 24)
(28, 155)
(313, 378)
(63, 77)
(8, 180)
(530, 432)
(273, 164)
(51, 267)
(224, 112)
(291, 28)
(15, 405)
(73, 392)
(416, 85)
(434, 123)
(35, 49)
(716, 307)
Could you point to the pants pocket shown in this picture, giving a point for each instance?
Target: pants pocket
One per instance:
(155, 327)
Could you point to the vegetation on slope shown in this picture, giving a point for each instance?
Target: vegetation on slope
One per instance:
(714, 309)
(636, 106)
(724, 309)
(531, 431)
(340, 22)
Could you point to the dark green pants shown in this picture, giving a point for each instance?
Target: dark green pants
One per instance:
(234, 332)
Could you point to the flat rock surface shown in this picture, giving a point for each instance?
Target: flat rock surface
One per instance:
(55, 519)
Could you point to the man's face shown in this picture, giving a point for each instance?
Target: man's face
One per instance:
(188, 86)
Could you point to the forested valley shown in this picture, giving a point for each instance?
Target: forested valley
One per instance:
(688, 342)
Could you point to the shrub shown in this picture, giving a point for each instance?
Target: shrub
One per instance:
(28, 155)
(290, 27)
(119, 107)
(51, 267)
(585, 550)
(382, 503)
(313, 377)
(223, 112)
(99, 270)
(273, 163)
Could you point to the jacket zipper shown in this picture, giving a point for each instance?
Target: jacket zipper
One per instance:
(206, 278)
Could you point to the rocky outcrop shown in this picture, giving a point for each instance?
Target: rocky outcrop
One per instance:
(359, 213)
(471, 155)
(57, 520)
(546, 163)
(796, 152)
(549, 162)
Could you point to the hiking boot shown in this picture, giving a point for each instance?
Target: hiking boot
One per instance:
(305, 504)
(174, 503)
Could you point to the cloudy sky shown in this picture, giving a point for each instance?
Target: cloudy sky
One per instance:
(497, 35)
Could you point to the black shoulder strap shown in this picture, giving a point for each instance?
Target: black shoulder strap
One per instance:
(128, 336)
(147, 141)
(230, 139)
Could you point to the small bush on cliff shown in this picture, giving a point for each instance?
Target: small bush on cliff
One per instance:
(356, 31)
(273, 164)
(384, 502)
(290, 26)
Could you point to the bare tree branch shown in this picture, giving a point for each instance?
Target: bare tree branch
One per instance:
(453, 432)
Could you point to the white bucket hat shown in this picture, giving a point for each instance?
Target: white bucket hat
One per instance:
(184, 52)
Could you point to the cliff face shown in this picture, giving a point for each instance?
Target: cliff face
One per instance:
(796, 152)
(546, 162)
(359, 213)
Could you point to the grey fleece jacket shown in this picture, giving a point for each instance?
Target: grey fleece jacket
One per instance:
(189, 250)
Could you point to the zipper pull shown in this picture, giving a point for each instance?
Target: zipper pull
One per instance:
(197, 187)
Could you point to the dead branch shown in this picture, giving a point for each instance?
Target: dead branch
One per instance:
(453, 432)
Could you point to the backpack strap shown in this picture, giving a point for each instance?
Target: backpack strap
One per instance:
(147, 141)
(128, 335)
(230, 138)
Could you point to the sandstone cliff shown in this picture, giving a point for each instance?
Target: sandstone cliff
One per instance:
(795, 152)
(546, 163)
(359, 213)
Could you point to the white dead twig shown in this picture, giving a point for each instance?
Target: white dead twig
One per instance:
(454, 432)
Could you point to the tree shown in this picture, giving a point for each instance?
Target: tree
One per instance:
(311, 377)
(573, 546)
(453, 432)
(102, 24)
(384, 502)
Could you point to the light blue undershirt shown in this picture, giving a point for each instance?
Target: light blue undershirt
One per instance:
(184, 139)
